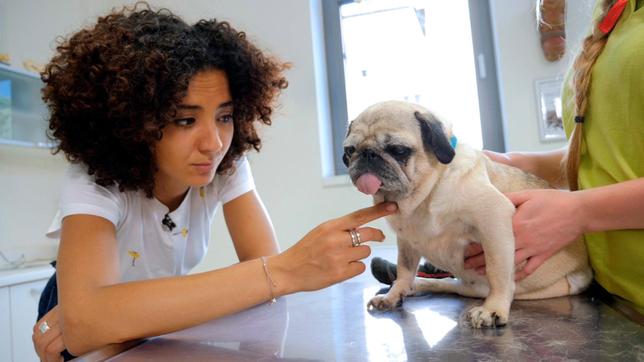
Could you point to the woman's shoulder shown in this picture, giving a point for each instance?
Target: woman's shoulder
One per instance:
(82, 194)
(225, 187)
(77, 177)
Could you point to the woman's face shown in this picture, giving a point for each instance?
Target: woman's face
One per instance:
(196, 141)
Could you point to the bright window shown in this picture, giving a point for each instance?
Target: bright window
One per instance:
(421, 51)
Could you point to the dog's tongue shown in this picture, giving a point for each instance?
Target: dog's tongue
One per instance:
(368, 183)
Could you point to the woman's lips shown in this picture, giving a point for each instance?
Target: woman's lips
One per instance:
(203, 167)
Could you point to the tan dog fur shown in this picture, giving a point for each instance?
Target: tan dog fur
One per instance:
(445, 206)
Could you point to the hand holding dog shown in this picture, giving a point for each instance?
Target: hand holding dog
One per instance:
(544, 223)
(514, 159)
(325, 255)
(49, 342)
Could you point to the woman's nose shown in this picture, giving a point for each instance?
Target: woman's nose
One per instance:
(210, 140)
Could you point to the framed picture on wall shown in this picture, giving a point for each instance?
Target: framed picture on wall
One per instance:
(549, 113)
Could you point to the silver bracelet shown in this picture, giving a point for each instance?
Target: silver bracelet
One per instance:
(269, 279)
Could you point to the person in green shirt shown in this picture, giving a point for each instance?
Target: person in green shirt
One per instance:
(603, 164)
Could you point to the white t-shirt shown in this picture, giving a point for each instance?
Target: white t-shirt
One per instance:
(146, 248)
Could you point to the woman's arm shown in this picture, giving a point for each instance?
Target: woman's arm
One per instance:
(95, 309)
(546, 165)
(548, 220)
(250, 227)
(613, 207)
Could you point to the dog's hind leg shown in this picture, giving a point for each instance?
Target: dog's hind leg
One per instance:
(451, 285)
(408, 260)
(571, 284)
(579, 280)
(556, 289)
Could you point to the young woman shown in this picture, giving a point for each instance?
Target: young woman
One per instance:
(604, 162)
(155, 116)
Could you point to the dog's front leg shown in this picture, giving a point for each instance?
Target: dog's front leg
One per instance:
(497, 239)
(403, 286)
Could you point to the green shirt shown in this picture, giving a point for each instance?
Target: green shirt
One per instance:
(613, 149)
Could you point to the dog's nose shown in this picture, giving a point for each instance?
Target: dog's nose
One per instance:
(369, 154)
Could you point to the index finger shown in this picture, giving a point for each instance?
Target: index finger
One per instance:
(363, 216)
(497, 157)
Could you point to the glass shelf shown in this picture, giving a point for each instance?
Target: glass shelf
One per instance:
(23, 114)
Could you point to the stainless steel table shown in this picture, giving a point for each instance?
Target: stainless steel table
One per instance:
(334, 325)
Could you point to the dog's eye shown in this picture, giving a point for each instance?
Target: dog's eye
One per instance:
(349, 150)
(398, 151)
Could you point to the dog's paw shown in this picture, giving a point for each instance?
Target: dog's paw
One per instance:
(384, 303)
(483, 317)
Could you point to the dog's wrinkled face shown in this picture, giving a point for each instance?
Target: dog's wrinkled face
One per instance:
(391, 145)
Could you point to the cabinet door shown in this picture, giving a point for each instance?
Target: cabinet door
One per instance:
(24, 311)
(5, 325)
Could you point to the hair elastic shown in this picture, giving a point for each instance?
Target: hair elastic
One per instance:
(613, 14)
(579, 119)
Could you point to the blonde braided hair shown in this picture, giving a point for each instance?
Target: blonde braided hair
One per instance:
(593, 45)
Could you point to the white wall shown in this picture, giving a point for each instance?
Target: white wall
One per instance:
(30, 178)
(520, 62)
(288, 170)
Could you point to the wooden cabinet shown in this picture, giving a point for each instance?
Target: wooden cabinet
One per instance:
(23, 114)
(19, 295)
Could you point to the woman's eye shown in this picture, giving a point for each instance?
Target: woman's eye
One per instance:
(184, 122)
(227, 118)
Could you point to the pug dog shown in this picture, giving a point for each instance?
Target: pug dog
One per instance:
(450, 195)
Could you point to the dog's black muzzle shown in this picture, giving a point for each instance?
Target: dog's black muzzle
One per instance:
(370, 161)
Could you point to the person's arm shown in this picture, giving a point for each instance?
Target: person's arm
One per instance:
(613, 207)
(257, 240)
(548, 220)
(546, 165)
(95, 309)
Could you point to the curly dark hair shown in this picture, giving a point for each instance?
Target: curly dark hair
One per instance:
(112, 88)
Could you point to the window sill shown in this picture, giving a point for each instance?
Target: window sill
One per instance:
(336, 181)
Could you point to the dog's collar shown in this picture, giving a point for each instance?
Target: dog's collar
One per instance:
(453, 141)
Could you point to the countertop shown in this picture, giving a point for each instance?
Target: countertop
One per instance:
(23, 275)
(333, 324)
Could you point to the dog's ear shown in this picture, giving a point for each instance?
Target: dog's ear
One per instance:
(348, 130)
(434, 139)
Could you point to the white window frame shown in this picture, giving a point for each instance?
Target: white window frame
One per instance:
(487, 82)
